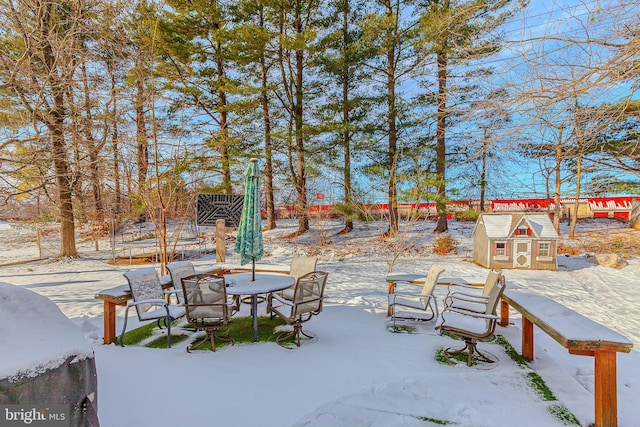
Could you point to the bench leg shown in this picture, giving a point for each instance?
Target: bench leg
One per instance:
(527, 339)
(109, 322)
(504, 313)
(605, 389)
(391, 290)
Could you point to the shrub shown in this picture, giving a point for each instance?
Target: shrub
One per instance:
(469, 215)
(444, 245)
(352, 211)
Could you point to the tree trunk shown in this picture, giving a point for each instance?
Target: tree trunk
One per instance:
(574, 219)
(55, 124)
(142, 156)
(94, 148)
(268, 148)
(301, 186)
(114, 144)
(556, 194)
(223, 119)
(441, 150)
(483, 172)
(393, 132)
(346, 132)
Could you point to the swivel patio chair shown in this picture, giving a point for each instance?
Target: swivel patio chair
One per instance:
(207, 307)
(473, 325)
(307, 301)
(299, 267)
(405, 295)
(150, 301)
(179, 270)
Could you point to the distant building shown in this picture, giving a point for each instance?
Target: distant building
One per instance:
(515, 240)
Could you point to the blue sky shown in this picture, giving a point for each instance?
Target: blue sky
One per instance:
(542, 24)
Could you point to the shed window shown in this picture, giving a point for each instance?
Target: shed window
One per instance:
(501, 249)
(544, 249)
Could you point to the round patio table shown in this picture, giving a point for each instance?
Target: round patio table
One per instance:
(264, 283)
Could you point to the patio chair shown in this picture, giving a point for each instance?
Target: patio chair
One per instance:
(472, 326)
(307, 302)
(299, 267)
(465, 296)
(150, 301)
(178, 270)
(405, 295)
(207, 307)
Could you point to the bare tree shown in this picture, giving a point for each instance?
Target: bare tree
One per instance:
(38, 68)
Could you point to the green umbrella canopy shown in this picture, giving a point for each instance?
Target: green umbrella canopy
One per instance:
(249, 238)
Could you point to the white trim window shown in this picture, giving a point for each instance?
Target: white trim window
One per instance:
(501, 251)
(544, 249)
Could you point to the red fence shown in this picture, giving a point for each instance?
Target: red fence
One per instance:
(598, 207)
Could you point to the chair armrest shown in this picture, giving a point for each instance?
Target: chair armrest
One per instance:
(406, 286)
(480, 299)
(233, 304)
(464, 285)
(149, 301)
(405, 282)
(282, 300)
(177, 293)
(471, 314)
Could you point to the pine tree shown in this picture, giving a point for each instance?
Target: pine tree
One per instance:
(341, 61)
(456, 32)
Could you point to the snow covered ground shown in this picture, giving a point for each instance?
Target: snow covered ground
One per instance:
(356, 372)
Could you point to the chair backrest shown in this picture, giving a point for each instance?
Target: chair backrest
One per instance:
(309, 293)
(492, 279)
(179, 270)
(145, 285)
(432, 279)
(495, 295)
(205, 298)
(301, 266)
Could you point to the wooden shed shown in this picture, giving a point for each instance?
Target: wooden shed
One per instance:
(515, 240)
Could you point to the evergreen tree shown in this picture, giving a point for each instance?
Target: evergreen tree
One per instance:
(456, 31)
(341, 61)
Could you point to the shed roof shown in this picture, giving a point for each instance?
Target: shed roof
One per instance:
(499, 226)
(542, 226)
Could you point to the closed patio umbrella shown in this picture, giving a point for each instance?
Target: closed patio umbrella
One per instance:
(249, 239)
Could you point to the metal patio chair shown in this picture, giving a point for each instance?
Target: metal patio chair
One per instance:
(207, 307)
(179, 270)
(465, 296)
(473, 325)
(405, 294)
(150, 300)
(307, 301)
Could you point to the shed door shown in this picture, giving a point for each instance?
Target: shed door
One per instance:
(522, 254)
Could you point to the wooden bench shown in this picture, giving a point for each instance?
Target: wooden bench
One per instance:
(580, 336)
(120, 296)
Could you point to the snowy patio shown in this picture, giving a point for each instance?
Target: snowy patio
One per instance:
(357, 372)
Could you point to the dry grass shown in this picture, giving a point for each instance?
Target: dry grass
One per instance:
(443, 245)
(623, 241)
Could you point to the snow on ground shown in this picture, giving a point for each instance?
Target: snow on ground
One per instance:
(356, 372)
